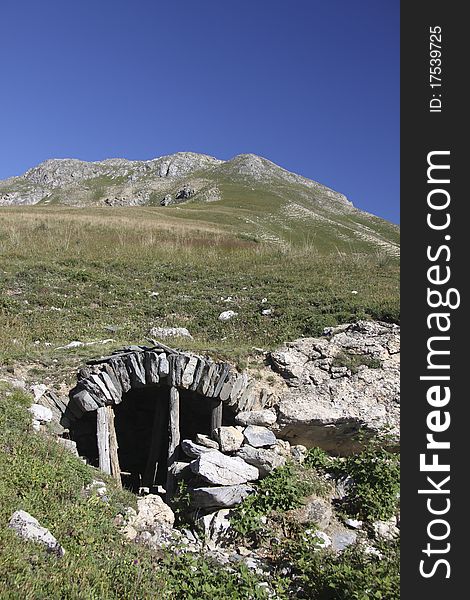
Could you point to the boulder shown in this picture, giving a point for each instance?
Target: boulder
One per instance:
(218, 469)
(28, 528)
(41, 413)
(259, 436)
(264, 459)
(263, 418)
(221, 496)
(152, 514)
(346, 381)
(169, 332)
(226, 315)
(229, 438)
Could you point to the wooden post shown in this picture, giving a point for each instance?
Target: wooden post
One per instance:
(158, 435)
(102, 435)
(174, 439)
(113, 447)
(216, 416)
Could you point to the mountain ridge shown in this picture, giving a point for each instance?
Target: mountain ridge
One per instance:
(57, 172)
(248, 195)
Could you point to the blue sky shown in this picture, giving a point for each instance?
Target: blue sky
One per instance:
(311, 84)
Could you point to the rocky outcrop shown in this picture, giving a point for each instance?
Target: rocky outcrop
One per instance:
(346, 381)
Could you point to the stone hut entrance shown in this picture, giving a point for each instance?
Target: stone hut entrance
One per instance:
(129, 411)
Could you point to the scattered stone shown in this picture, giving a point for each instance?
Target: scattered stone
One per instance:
(38, 391)
(298, 453)
(316, 510)
(258, 436)
(322, 540)
(256, 417)
(78, 344)
(282, 447)
(169, 332)
(226, 315)
(229, 438)
(224, 496)
(69, 445)
(218, 469)
(28, 528)
(41, 413)
(267, 311)
(353, 523)
(342, 539)
(264, 459)
(205, 440)
(387, 530)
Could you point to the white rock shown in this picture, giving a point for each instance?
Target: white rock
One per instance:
(321, 539)
(152, 514)
(256, 417)
(38, 391)
(226, 315)
(69, 445)
(330, 397)
(354, 523)
(229, 438)
(41, 413)
(386, 530)
(28, 528)
(169, 332)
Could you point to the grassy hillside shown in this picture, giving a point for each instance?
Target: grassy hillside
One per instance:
(41, 477)
(91, 274)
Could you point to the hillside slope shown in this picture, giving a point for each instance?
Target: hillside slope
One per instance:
(248, 194)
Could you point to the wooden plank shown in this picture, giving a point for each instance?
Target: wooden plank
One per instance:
(158, 435)
(102, 435)
(216, 416)
(113, 447)
(174, 439)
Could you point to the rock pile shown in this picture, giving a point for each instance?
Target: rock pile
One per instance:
(219, 471)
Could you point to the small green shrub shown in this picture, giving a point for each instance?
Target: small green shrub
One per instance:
(351, 575)
(197, 578)
(282, 490)
(375, 475)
